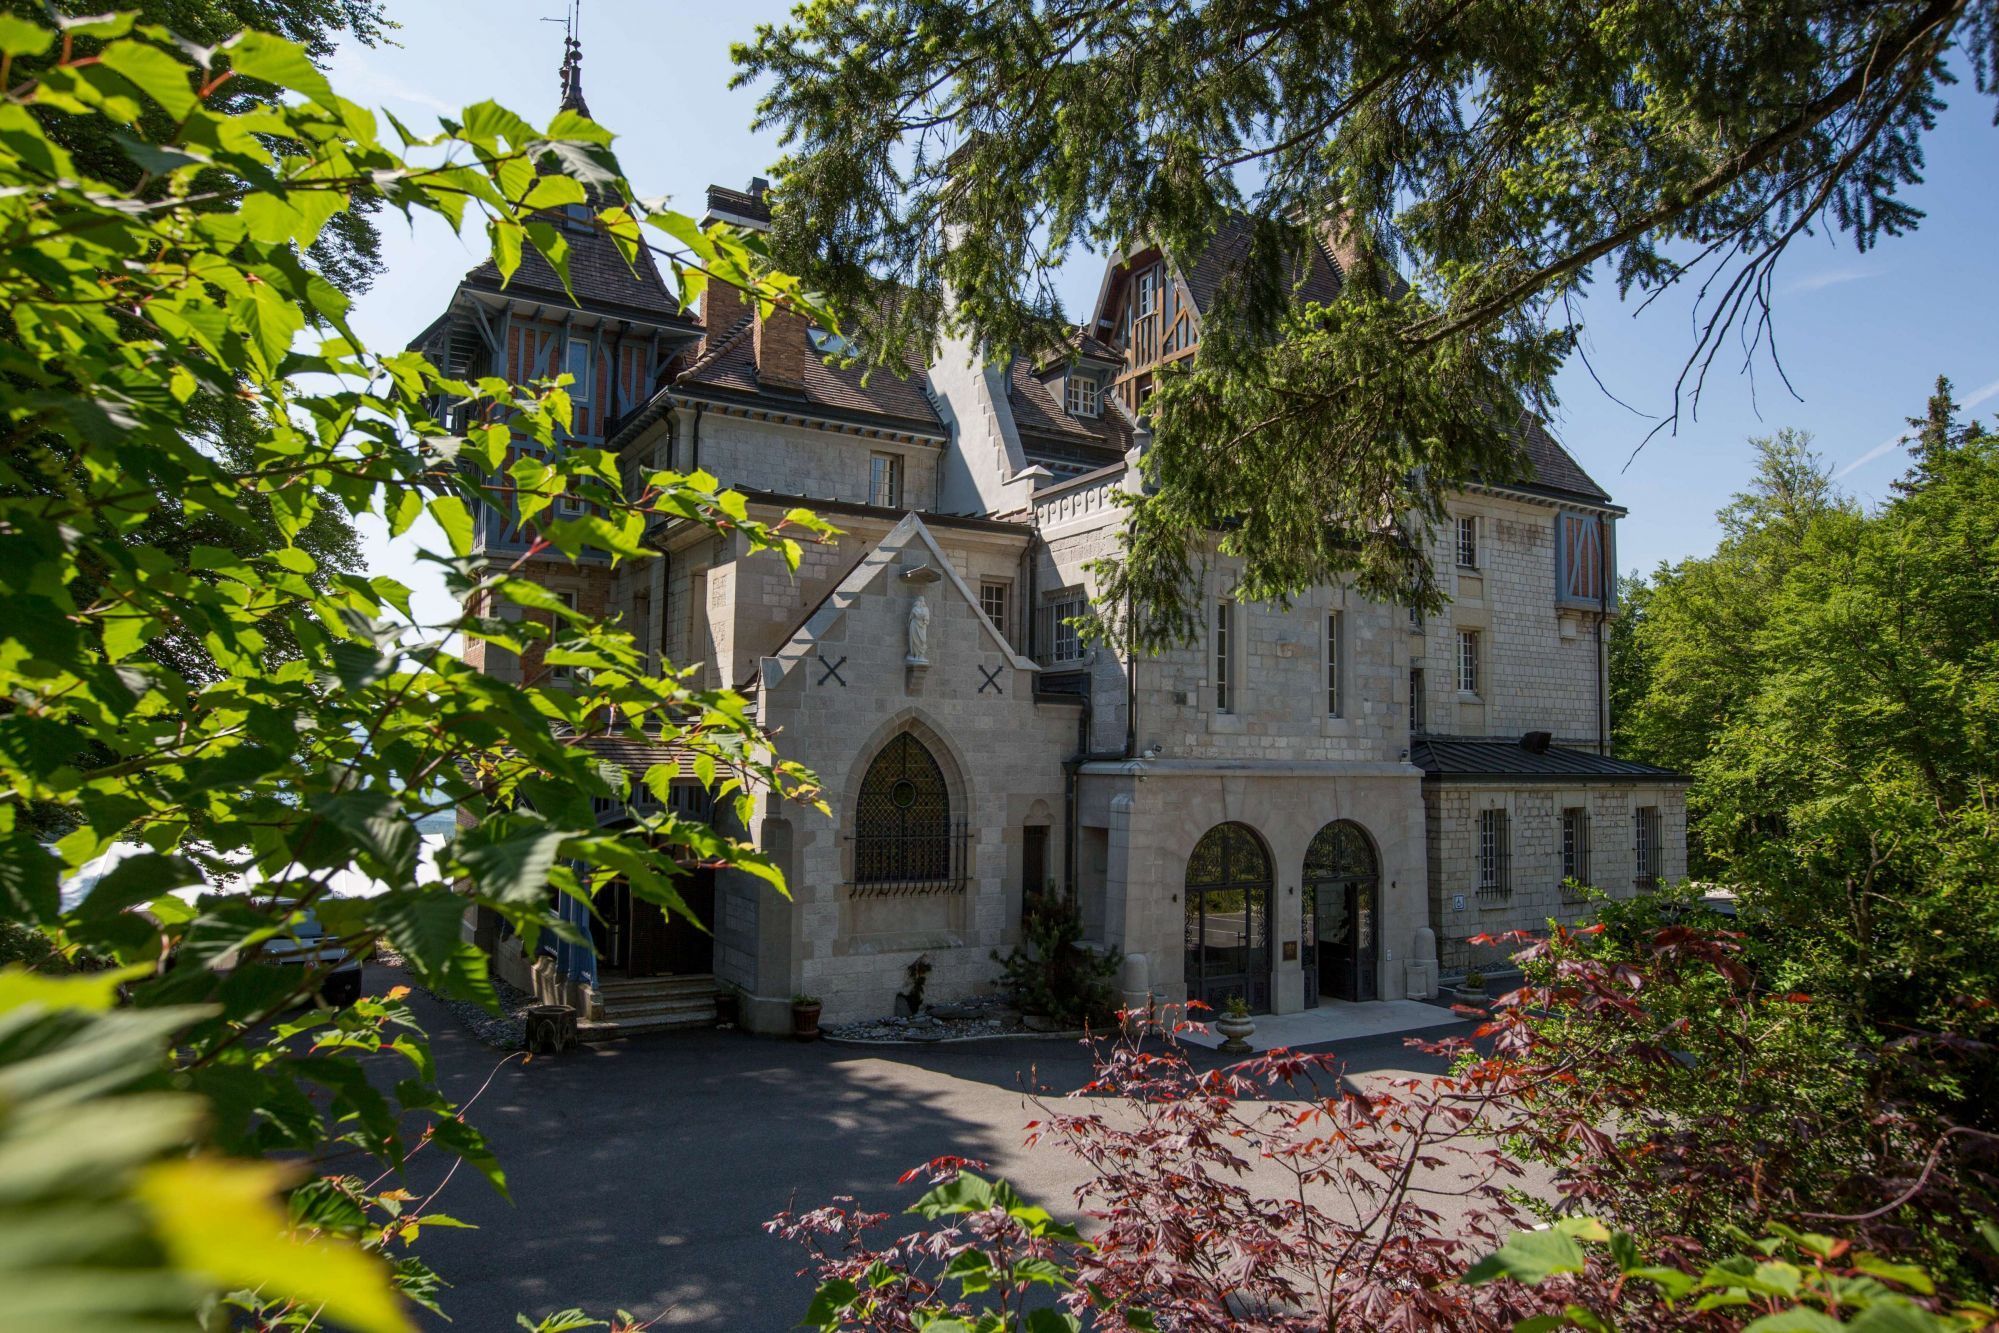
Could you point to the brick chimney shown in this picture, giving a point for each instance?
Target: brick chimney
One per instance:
(722, 308)
(781, 347)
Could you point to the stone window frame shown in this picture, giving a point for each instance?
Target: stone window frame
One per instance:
(889, 467)
(1336, 663)
(1224, 636)
(1000, 592)
(1419, 706)
(1468, 541)
(1057, 606)
(1575, 848)
(1471, 661)
(907, 832)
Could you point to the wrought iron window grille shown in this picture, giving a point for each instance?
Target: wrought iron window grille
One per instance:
(899, 866)
(905, 837)
(1495, 857)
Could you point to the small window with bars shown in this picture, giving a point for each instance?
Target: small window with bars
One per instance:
(1645, 848)
(1058, 639)
(992, 601)
(1417, 704)
(1335, 655)
(1575, 851)
(1224, 646)
(1468, 542)
(1495, 855)
(1468, 661)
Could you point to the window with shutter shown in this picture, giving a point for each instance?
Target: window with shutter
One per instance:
(1580, 571)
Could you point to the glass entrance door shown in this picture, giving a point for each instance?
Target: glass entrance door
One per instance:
(1341, 886)
(1227, 905)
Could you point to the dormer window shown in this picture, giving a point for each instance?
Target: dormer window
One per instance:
(1085, 395)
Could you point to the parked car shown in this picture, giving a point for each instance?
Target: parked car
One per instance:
(308, 945)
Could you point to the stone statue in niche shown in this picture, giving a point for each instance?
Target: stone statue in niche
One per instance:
(919, 632)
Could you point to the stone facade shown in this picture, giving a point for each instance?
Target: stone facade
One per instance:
(1046, 761)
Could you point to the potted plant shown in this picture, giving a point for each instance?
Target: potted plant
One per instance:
(1473, 986)
(1236, 1025)
(805, 1017)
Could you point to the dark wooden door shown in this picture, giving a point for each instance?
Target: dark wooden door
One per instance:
(687, 948)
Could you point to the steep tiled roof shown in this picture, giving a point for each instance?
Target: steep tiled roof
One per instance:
(597, 272)
(1080, 343)
(636, 756)
(1554, 468)
(728, 366)
(1053, 438)
(1448, 758)
(1230, 248)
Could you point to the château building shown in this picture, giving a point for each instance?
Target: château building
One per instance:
(1314, 805)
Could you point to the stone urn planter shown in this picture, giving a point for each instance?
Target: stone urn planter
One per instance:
(551, 1028)
(805, 1017)
(1237, 1026)
(1472, 989)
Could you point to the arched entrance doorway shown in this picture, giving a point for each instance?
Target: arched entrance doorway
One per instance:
(1341, 888)
(1228, 918)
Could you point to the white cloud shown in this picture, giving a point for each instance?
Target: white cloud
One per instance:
(359, 76)
(1889, 446)
(1831, 277)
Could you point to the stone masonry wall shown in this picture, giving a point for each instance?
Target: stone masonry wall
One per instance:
(1001, 754)
(1534, 821)
(1281, 709)
(1539, 664)
(800, 460)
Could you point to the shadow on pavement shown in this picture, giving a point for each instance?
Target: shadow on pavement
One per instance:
(642, 1171)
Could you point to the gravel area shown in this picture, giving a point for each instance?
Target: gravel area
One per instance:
(504, 1031)
(981, 1016)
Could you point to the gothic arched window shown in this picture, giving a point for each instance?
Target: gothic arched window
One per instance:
(902, 823)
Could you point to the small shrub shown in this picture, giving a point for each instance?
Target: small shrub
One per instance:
(1053, 974)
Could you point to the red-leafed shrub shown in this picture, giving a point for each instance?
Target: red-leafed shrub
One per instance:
(1277, 1195)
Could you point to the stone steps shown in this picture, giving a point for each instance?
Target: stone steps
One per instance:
(635, 1006)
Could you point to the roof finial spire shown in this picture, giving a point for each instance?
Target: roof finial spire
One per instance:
(572, 59)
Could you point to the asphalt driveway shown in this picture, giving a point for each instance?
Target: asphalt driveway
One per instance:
(642, 1171)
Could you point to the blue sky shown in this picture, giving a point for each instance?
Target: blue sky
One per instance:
(1862, 336)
